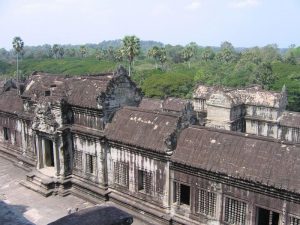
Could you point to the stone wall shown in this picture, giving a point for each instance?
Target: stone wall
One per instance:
(156, 184)
(209, 205)
(87, 160)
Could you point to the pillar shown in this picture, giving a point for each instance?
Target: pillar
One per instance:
(43, 151)
(56, 158)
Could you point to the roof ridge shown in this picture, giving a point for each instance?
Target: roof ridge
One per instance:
(245, 135)
(133, 108)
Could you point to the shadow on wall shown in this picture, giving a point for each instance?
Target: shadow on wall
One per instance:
(13, 214)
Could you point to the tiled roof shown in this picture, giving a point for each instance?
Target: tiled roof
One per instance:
(151, 104)
(11, 102)
(290, 119)
(142, 128)
(79, 91)
(240, 156)
(168, 104)
(254, 95)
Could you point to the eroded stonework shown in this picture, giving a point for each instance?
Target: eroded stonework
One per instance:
(94, 136)
(251, 110)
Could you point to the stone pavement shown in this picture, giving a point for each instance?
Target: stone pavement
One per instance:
(21, 206)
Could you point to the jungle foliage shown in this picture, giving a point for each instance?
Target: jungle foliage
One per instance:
(166, 70)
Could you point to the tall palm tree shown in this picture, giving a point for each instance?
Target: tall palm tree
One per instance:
(55, 50)
(82, 50)
(155, 54)
(162, 56)
(187, 54)
(130, 49)
(18, 45)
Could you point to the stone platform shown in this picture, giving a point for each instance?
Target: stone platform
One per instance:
(22, 206)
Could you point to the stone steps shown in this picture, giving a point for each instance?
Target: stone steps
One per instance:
(36, 188)
(40, 183)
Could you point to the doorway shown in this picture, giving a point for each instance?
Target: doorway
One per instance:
(184, 194)
(49, 154)
(266, 217)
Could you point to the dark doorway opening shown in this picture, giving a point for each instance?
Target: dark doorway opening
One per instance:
(184, 194)
(267, 217)
(6, 133)
(49, 154)
(141, 178)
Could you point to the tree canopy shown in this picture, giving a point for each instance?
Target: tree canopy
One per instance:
(130, 49)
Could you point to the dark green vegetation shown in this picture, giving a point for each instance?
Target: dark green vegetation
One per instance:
(168, 70)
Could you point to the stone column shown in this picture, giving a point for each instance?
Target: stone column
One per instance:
(38, 152)
(101, 163)
(61, 157)
(219, 202)
(56, 158)
(23, 141)
(43, 151)
(284, 214)
(166, 191)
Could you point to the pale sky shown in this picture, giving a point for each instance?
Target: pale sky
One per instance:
(244, 23)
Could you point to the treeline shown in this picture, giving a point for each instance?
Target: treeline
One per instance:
(167, 70)
(107, 49)
(175, 54)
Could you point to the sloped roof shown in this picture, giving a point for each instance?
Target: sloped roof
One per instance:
(254, 95)
(2, 83)
(11, 102)
(38, 83)
(203, 91)
(142, 128)
(151, 104)
(100, 214)
(79, 91)
(257, 96)
(168, 104)
(290, 119)
(175, 104)
(83, 91)
(240, 156)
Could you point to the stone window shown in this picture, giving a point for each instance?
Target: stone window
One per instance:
(47, 93)
(295, 134)
(121, 173)
(235, 212)
(78, 160)
(159, 183)
(206, 202)
(266, 217)
(270, 130)
(90, 164)
(145, 180)
(181, 194)
(294, 221)
(6, 133)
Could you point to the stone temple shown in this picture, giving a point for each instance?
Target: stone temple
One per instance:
(229, 156)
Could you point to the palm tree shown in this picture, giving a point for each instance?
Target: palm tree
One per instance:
(118, 56)
(55, 50)
(82, 51)
(155, 54)
(61, 52)
(18, 45)
(187, 54)
(130, 49)
(99, 54)
(207, 54)
(162, 56)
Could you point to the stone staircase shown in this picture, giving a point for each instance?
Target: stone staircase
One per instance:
(40, 183)
(46, 185)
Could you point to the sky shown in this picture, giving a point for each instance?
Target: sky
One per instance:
(244, 23)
